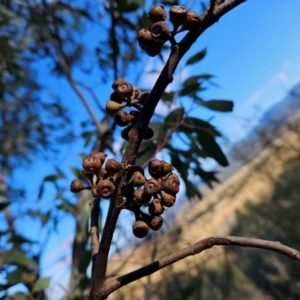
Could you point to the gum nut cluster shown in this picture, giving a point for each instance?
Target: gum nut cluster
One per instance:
(157, 193)
(124, 95)
(152, 39)
(101, 178)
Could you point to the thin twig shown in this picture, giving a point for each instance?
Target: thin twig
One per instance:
(197, 248)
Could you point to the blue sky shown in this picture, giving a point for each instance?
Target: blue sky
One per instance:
(254, 52)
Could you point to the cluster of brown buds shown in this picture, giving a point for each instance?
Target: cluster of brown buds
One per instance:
(126, 95)
(151, 40)
(157, 193)
(101, 179)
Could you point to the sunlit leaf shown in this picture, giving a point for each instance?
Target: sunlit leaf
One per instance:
(41, 284)
(196, 57)
(18, 257)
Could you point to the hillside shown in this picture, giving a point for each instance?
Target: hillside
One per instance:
(259, 200)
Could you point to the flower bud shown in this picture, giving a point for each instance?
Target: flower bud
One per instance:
(156, 14)
(160, 32)
(113, 107)
(158, 168)
(105, 189)
(137, 179)
(76, 186)
(156, 208)
(140, 229)
(167, 200)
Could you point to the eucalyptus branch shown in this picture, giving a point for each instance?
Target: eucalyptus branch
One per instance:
(94, 231)
(136, 136)
(194, 249)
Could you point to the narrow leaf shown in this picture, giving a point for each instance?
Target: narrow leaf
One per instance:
(197, 57)
(211, 147)
(219, 105)
(41, 284)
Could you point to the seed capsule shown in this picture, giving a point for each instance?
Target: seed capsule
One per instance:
(125, 89)
(158, 168)
(154, 222)
(140, 229)
(171, 184)
(192, 21)
(76, 186)
(113, 107)
(114, 96)
(140, 197)
(123, 118)
(156, 14)
(135, 92)
(117, 82)
(125, 133)
(105, 189)
(178, 15)
(160, 32)
(137, 179)
(167, 200)
(156, 208)
(94, 162)
(145, 38)
(154, 49)
(112, 167)
(152, 186)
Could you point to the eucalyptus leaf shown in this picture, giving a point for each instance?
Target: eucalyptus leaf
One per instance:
(218, 105)
(41, 284)
(196, 57)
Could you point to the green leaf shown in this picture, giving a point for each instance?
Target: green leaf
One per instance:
(191, 89)
(18, 257)
(14, 277)
(85, 259)
(3, 205)
(197, 57)
(17, 239)
(41, 284)
(194, 79)
(167, 96)
(44, 217)
(218, 105)
(19, 296)
(54, 177)
(129, 5)
(174, 117)
(207, 176)
(211, 147)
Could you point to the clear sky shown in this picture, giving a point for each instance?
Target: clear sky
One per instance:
(254, 52)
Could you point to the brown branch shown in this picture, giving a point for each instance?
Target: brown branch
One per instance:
(197, 248)
(136, 136)
(94, 231)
